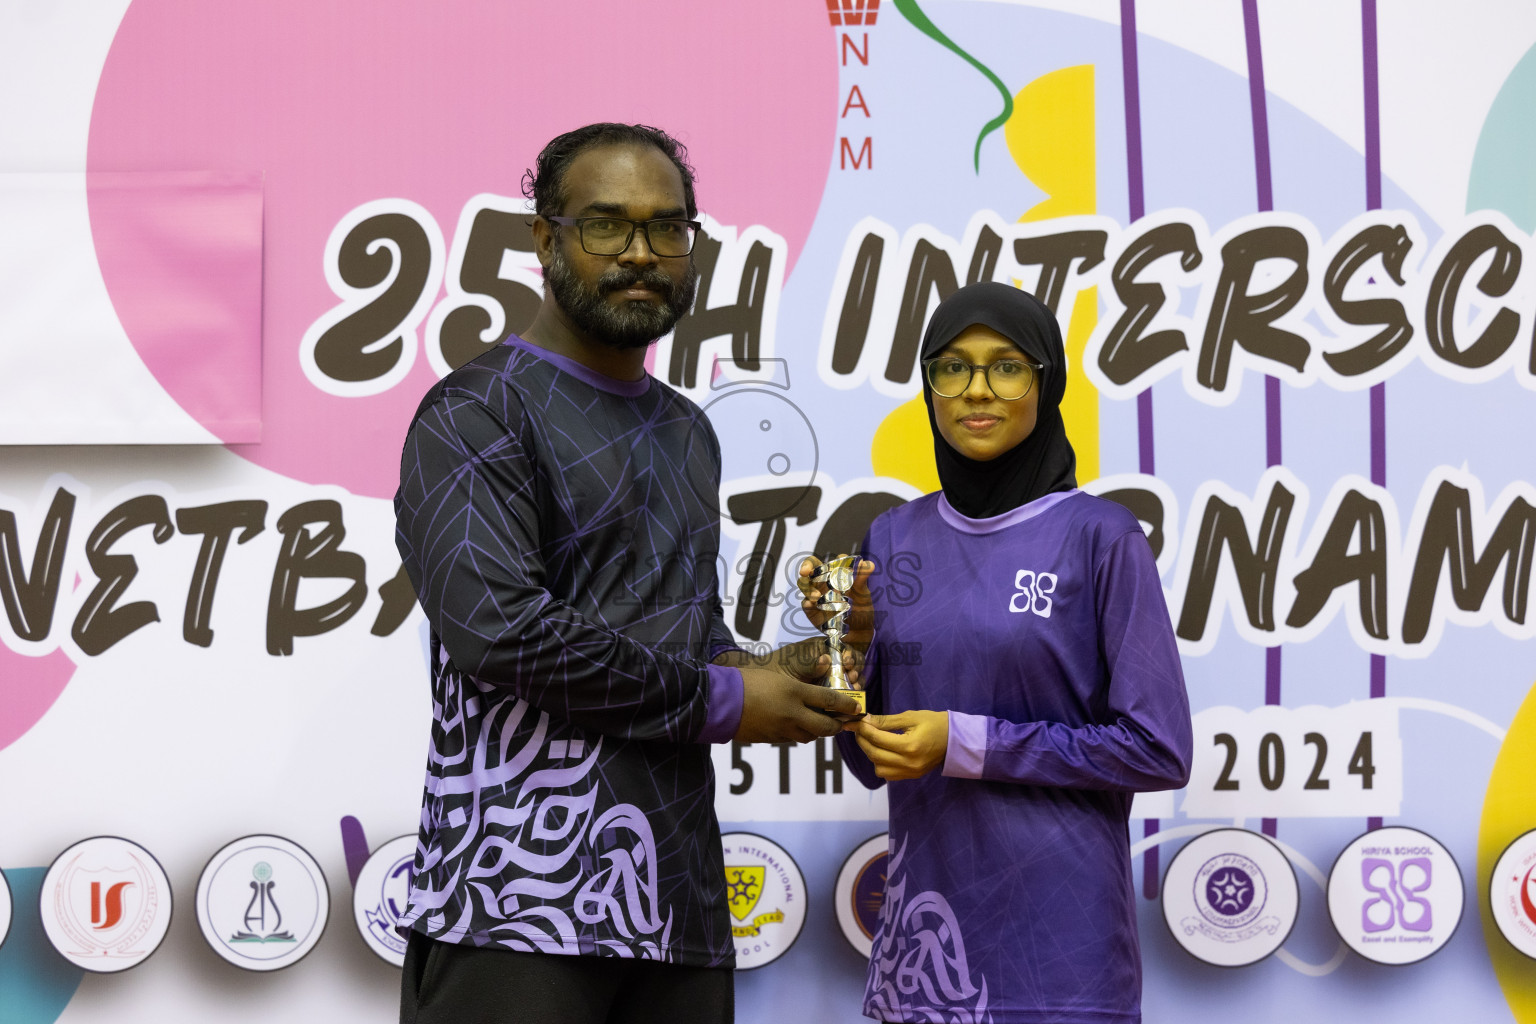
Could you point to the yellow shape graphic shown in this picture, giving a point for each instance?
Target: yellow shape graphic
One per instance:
(1051, 138)
(1509, 811)
(743, 888)
(903, 447)
(1080, 405)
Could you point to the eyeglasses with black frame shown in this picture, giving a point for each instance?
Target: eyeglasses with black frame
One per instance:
(1009, 379)
(610, 236)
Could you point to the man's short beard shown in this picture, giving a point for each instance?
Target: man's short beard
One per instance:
(629, 324)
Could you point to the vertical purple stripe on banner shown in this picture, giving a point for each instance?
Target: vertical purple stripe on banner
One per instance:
(1272, 675)
(354, 846)
(1272, 451)
(1130, 70)
(1379, 478)
(1369, 60)
(1270, 826)
(1372, 105)
(1131, 74)
(1256, 100)
(1147, 462)
(1379, 435)
(1266, 202)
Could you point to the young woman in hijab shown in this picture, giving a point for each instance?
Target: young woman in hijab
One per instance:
(1038, 688)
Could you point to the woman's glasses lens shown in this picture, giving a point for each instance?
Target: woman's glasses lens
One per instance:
(1009, 379)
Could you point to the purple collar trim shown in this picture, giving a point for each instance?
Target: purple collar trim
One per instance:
(1012, 517)
(601, 381)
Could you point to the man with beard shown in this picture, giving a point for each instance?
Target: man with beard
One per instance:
(558, 516)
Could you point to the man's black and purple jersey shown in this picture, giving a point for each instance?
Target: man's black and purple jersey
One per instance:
(561, 529)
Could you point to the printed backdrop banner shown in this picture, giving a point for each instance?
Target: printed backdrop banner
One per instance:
(1290, 246)
(173, 354)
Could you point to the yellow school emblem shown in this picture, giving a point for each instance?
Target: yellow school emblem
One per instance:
(766, 895)
(743, 888)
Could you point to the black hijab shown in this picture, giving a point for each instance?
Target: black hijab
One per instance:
(1044, 461)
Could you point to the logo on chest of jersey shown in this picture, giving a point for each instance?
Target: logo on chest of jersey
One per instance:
(1032, 592)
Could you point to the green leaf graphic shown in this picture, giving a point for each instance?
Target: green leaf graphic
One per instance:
(921, 21)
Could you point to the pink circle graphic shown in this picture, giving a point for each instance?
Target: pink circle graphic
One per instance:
(343, 103)
(28, 688)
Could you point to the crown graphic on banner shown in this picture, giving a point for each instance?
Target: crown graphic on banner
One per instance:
(852, 12)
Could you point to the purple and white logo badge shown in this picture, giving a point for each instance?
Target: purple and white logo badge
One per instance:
(106, 904)
(378, 898)
(1230, 897)
(861, 891)
(1395, 895)
(1230, 892)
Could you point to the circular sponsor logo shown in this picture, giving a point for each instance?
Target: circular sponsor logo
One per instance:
(105, 904)
(262, 903)
(5, 908)
(1230, 897)
(1395, 895)
(378, 898)
(861, 891)
(1512, 894)
(766, 895)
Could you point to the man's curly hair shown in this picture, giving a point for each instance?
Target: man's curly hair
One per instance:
(544, 182)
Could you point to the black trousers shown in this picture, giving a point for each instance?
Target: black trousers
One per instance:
(445, 983)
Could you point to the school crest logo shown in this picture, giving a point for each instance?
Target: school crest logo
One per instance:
(1230, 897)
(262, 903)
(743, 888)
(766, 895)
(106, 904)
(1512, 894)
(379, 897)
(1395, 895)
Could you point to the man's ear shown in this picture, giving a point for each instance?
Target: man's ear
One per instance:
(543, 240)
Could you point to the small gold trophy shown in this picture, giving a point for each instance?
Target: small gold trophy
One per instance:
(838, 575)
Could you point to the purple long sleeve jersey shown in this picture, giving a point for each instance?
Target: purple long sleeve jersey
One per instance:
(561, 530)
(1045, 635)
